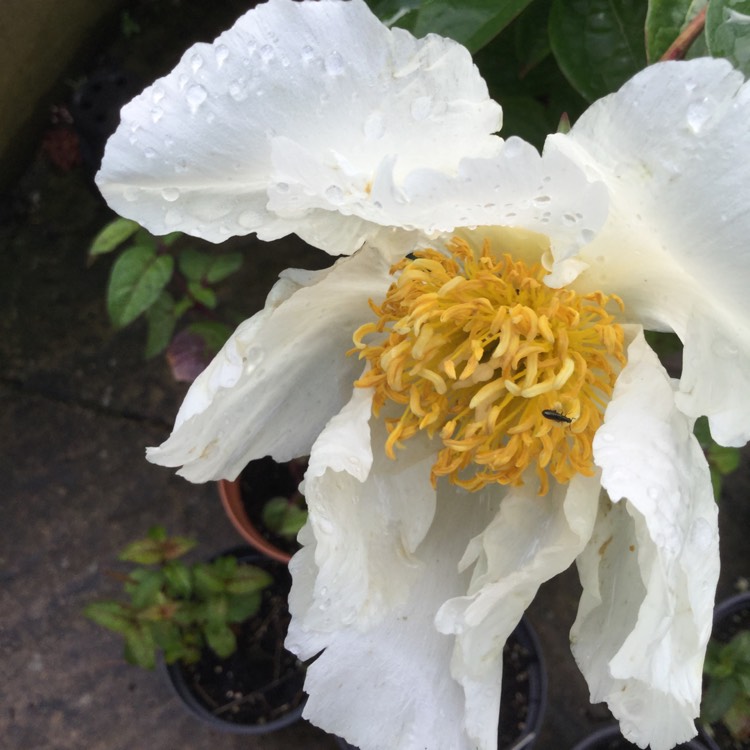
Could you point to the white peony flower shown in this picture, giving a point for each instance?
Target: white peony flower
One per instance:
(511, 418)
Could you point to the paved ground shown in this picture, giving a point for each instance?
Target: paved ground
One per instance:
(78, 405)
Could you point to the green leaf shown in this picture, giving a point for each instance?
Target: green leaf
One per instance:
(140, 648)
(114, 234)
(530, 35)
(178, 578)
(111, 615)
(599, 44)
(148, 589)
(473, 23)
(207, 581)
(208, 267)
(138, 277)
(161, 320)
(665, 20)
(728, 31)
(249, 579)
(240, 607)
(283, 517)
(221, 640)
(202, 294)
(717, 699)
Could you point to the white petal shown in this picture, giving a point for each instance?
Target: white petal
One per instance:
(281, 375)
(531, 539)
(299, 102)
(649, 573)
(548, 194)
(366, 519)
(388, 686)
(367, 585)
(672, 147)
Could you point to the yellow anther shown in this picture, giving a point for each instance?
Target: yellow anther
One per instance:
(506, 373)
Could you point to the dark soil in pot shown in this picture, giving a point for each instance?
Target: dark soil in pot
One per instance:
(260, 481)
(259, 687)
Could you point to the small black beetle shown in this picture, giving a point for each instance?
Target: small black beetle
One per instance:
(555, 416)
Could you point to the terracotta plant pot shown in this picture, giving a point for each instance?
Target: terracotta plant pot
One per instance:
(231, 499)
(258, 689)
(730, 617)
(524, 678)
(609, 738)
(246, 499)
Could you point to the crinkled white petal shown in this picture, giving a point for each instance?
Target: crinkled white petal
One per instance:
(531, 539)
(672, 147)
(280, 376)
(380, 557)
(299, 104)
(650, 570)
(548, 194)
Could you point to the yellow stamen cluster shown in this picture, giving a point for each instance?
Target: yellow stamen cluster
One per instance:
(477, 350)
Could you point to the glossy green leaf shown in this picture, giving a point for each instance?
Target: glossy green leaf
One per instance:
(208, 267)
(140, 648)
(161, 320)
(249, 579)
(240, 607)
(178, 579)
(473, 23)
(530, 35)
(202, 294)
(665, 20)
(113, 235)
(728, 31)
(599, 44)
(137, 279)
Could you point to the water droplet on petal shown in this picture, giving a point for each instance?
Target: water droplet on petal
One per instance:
(181, 165)
(196, 63)
(156, 114)
(697, 115)
(282, 187)
(307, 54)
(421, 107)
(654, 493)
(237, 91)
(725, 349)
(334, 64)
(149, 152)
(131, 193)
(335, 194)
(222, 53)
(196, 95)
(170, 194)
(266, 53)
(157, 94)
(253, 357)
(374, 127)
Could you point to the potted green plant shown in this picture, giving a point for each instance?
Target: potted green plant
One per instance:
(265, 506)
(219, 627)
(725, 710)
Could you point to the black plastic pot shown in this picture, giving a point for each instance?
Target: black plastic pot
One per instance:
(290, 683)
(534, 678)
(730, 616)
(609, 738)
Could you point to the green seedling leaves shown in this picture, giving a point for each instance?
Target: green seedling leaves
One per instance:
(213, 333)
(137, 279)
(282, 517)
(179, 608)
(728, 31)
(161, 318)
(598, 44)
(113, 235)
(209, 268)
